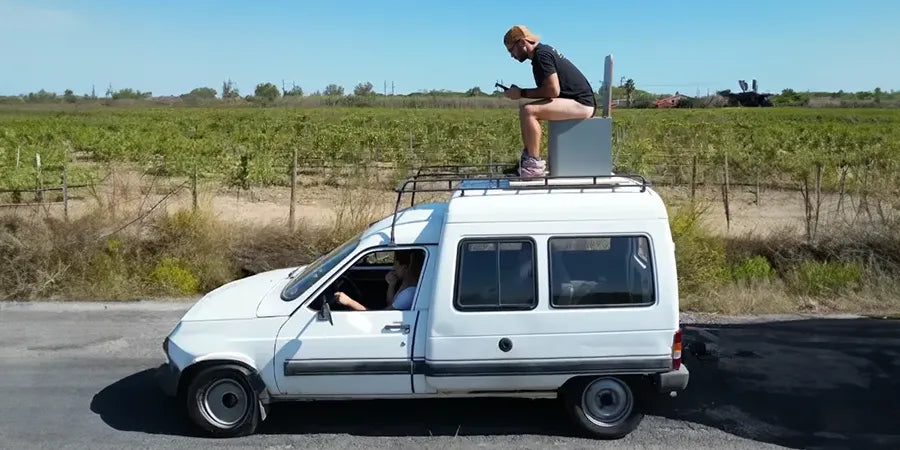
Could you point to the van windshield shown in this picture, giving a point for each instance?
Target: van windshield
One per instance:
(317, 269)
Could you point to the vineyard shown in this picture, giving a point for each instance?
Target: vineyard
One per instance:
(239, 146)
(840, 166)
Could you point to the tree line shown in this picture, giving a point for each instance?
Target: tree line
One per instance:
(625, 94)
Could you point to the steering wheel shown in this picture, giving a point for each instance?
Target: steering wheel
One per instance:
(328, 294)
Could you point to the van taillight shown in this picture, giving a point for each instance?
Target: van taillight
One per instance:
(676, 350)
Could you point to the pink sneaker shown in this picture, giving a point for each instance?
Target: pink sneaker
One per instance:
(530, 167)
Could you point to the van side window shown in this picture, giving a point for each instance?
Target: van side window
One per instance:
(601, 271)
(494, 275)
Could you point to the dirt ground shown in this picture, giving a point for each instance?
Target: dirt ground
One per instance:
(322, 200)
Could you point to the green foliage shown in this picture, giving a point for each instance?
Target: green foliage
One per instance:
(201, 93)
(333, 89)
(41, 96)
(175, 277)
(750, 270)
(362, 89)
(267, 91)
(130, 94)
(295, 91)
(789, 97)
(699, 255)
(778, 145)
(825, 278)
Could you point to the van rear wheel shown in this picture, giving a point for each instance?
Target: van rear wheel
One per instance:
(603, 407)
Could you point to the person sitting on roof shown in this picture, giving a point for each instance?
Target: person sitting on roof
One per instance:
(402, 282)
(564, 93)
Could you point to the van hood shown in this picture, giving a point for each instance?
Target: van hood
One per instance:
(238, 299)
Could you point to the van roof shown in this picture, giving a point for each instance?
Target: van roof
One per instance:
(500, 199)
(556, 200)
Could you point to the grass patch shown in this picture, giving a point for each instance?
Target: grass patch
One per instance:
(183, 253)
(752, 270)
(825, 278)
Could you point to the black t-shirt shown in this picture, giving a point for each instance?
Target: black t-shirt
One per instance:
(572, 83)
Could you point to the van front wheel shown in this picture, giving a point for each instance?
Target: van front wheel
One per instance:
(221, 401)
(603, 407)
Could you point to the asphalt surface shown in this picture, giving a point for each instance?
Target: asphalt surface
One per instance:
(80, 376)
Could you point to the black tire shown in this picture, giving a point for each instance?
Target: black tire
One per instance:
(221, 401)
(603, 407)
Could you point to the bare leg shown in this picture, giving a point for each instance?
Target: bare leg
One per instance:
(530, 115)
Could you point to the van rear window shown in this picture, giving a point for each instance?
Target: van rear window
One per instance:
(602, 271)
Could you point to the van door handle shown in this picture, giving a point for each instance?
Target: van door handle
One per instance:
(397, 326)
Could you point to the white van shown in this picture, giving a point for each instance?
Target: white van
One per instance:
(560, 286)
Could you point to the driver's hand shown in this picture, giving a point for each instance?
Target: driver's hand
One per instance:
(392, 278)
(342, 298)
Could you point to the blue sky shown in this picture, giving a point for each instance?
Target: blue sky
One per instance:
(169, 47)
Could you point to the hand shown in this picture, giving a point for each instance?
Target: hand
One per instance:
(514, 92)
(343, 298)
(392, 278)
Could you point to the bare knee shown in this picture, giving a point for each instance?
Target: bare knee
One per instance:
(528, 110)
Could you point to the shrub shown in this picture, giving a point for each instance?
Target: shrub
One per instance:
(820, 278)
(699, 255)
(175, 277)
(750, 270)
(202, 244)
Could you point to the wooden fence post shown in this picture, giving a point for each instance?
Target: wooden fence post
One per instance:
(758, 192)
(693, 177)
(194, 187)
(725, 196)
(65, 192)
(293, 192)
(40, 178)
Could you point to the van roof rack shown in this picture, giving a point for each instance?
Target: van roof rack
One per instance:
(491, 176)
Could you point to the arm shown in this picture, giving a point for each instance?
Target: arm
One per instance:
(549, 88)
(345, 300)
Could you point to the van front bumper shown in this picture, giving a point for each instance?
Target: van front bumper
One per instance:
(675, 380)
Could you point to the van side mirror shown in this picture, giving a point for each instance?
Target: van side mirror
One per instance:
(325, 311)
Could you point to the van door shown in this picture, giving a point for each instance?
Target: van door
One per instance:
(352, 352)
(361, 353)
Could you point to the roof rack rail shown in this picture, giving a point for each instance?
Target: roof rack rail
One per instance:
(494, 179)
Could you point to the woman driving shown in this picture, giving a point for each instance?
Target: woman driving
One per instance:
(402, 282)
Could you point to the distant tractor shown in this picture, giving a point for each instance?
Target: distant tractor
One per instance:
(746, 98)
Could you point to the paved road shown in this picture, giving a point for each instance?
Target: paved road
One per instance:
(79, 376)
